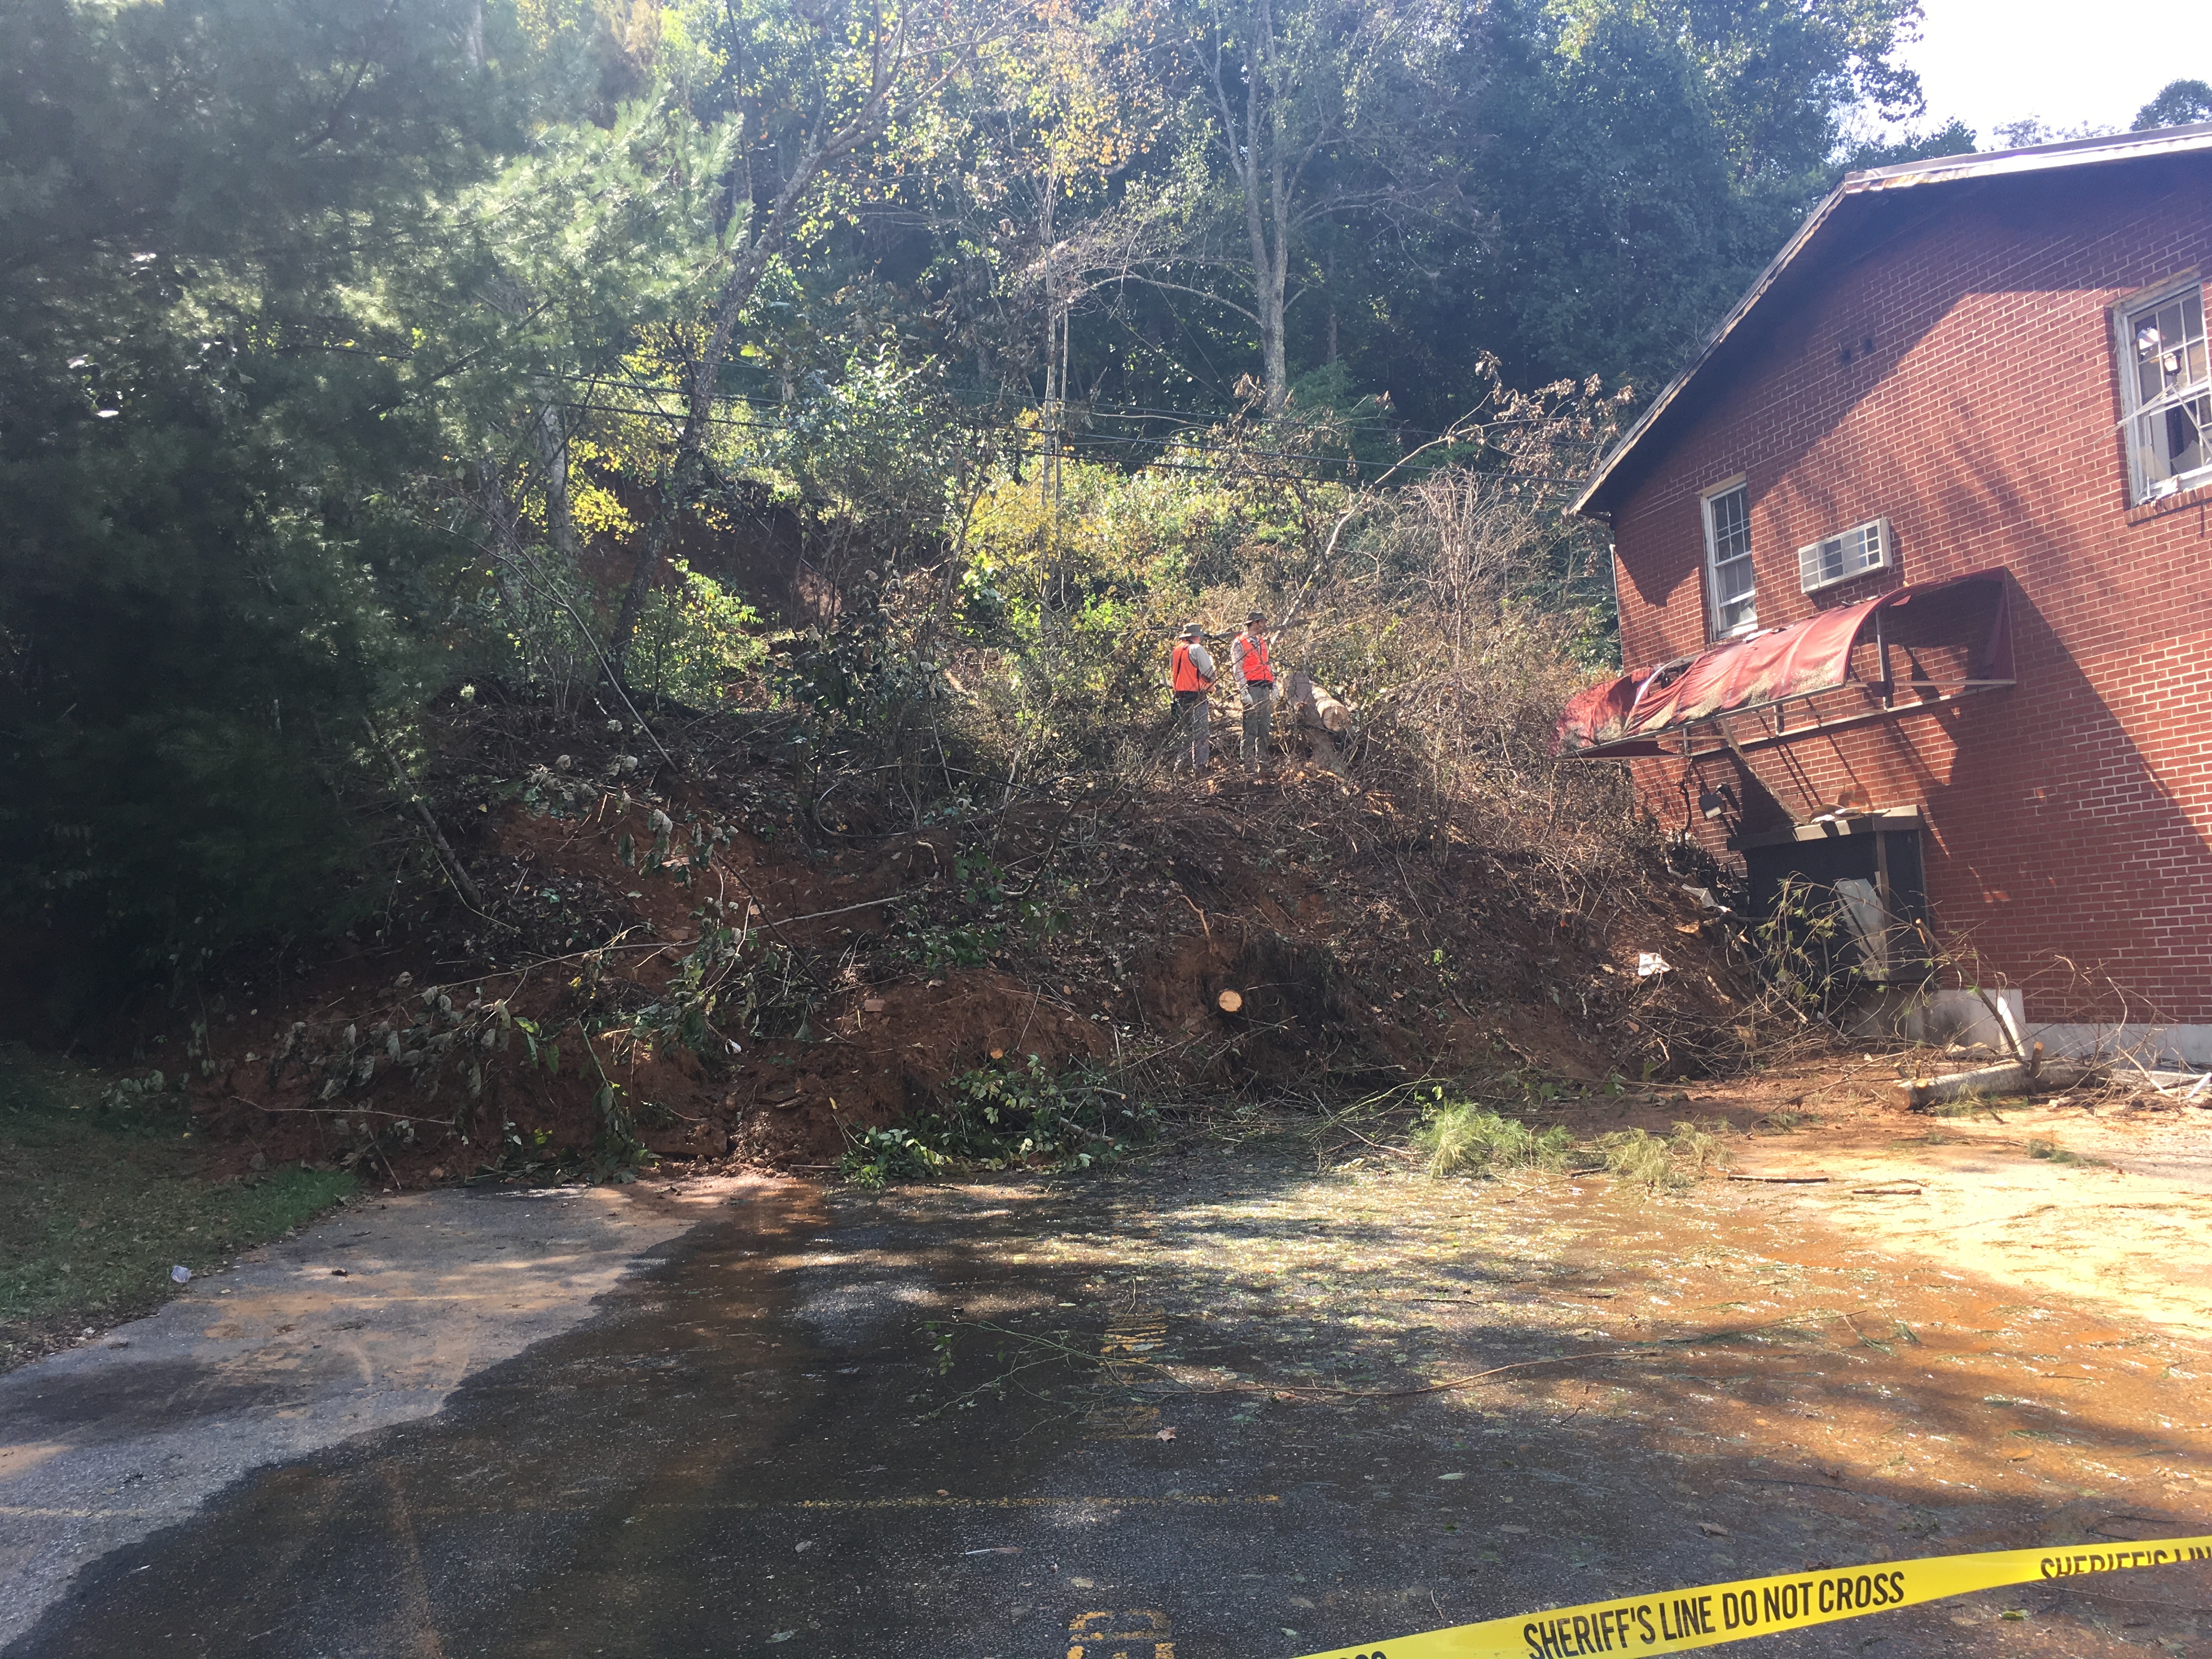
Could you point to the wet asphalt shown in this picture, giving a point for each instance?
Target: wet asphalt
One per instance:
(1007, 1419)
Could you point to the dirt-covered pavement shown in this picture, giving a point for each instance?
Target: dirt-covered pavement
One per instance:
(369, 1319)
(1246, 1399)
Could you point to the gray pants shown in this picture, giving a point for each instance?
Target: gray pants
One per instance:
(1193, 709)
(1259, 717)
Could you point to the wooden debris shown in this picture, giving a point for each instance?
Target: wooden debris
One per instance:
(1230, 1001)
(1315, 705)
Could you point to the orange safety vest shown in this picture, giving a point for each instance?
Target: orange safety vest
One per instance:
(1186, 676)
(1252, 652)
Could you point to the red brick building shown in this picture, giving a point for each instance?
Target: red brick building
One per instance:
(1988, 367)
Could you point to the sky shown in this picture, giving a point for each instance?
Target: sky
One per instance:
(2068, 63)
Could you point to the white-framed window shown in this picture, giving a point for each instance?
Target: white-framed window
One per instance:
(1731, 595)
(2165, 385)
(1861, 548)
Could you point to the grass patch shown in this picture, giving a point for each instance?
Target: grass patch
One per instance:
(103, 1199)
(1459, 1138)
(1966, 1105)
(2058, 1154)
(1691, 1152)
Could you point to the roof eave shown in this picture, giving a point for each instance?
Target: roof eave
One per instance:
(1714, 341)
(2038, 158)
(1944, 169)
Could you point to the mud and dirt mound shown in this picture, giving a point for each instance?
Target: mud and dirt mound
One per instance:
(888, 1053)
(682, 951)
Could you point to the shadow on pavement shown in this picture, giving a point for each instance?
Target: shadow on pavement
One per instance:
(1187, 1411)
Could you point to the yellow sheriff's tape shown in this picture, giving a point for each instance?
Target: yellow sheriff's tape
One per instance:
(1674, 1621)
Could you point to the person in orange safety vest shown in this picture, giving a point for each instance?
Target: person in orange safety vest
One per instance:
(1191, 676)
(1248, 657)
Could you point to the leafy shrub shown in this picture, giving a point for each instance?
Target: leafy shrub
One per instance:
(876, 1157)
(695, 641)
(1462, 1138)
(127, 1092)
(1001, 1116)
(979, 895)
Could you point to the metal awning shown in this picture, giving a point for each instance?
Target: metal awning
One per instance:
(1782, 683)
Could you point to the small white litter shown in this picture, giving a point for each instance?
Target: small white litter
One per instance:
(1648, 963)
(180, 1274)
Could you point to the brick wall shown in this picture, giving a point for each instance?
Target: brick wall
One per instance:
(2069, 818)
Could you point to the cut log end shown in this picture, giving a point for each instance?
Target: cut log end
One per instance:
(1230, 1001)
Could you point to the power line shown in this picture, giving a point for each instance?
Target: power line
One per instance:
(1182, 417)
(1098, 443)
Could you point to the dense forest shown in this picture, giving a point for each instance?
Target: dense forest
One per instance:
(900, 371)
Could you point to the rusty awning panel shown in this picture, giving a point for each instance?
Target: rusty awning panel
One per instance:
(1953, 637)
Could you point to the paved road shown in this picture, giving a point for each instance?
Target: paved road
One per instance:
(1173, 1414)
(371, 1319)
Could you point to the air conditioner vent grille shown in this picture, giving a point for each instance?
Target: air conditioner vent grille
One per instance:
(1862, 548)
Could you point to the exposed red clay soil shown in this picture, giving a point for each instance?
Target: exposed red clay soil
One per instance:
(855, 969)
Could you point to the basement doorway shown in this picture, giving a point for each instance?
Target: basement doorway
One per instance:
(1868, 866)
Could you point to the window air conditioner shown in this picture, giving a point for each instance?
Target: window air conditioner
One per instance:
(1857, 550)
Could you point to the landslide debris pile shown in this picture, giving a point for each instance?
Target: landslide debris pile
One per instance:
(697, 943)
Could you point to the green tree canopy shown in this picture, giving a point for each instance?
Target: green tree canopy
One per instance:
(2178, 104)
(209, 569)
(348, 351)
